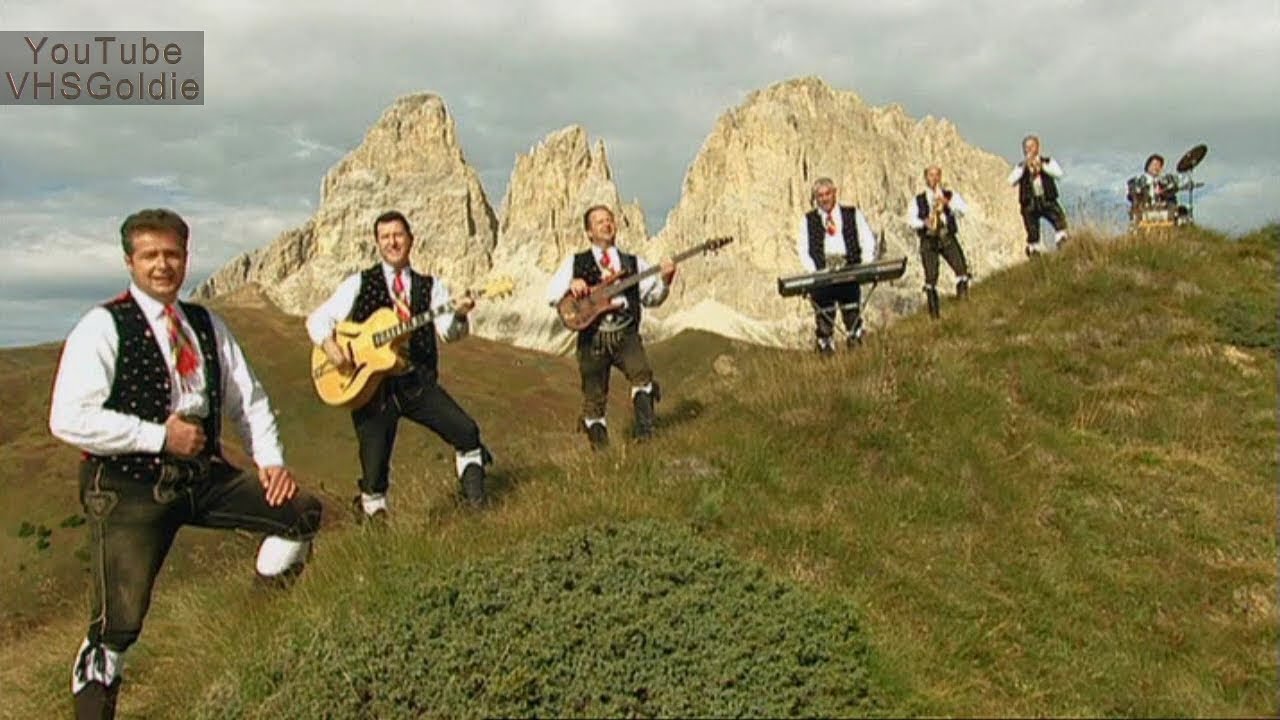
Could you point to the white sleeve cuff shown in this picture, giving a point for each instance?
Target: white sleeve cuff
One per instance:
(268, 457)
(151, 437)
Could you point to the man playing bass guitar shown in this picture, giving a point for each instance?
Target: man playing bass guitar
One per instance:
(614, 339)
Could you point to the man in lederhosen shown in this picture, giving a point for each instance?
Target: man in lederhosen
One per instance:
(415, 394)
(614, 340)
(933, 217)
(143, 387)
(833, 235)
(1037, 177)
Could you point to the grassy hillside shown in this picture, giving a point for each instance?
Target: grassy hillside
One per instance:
(1060, 500)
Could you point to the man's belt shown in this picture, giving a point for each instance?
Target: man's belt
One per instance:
(178, 474)
(184, 471)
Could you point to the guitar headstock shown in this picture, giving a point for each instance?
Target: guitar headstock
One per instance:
(715, 244)
(497, 287)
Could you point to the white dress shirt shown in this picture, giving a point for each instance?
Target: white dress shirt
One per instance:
(322, 321)
(87, 368)
(653, 290)
(833, 244)
(958, 207)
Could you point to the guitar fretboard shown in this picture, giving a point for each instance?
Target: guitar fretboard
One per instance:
(405, 327)
(620, 287)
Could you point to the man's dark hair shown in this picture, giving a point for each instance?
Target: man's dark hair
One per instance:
(153, 220)
(1154, 156)
(392, 216)
(586, 216)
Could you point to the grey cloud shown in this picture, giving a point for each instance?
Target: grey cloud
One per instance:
(292, 87)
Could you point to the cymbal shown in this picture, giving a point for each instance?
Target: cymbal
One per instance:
(1192, 158)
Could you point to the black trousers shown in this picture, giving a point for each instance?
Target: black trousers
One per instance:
(132, 525)
(1049, 210)
(595, 365)
(415, 397)
(845, 299)
(949, 248)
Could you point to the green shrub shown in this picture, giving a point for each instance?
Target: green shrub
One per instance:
(634, 620)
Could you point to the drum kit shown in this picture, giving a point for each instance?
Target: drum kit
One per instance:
(1157, 208)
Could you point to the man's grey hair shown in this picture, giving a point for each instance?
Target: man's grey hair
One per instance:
(822, 182)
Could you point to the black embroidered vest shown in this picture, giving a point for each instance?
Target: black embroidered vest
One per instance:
(849, 223)
(141, 384)
(586, 268)
(374, 295)
(1025, 194)
(922, 211)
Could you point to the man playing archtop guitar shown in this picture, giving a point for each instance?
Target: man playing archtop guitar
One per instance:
(411, 391)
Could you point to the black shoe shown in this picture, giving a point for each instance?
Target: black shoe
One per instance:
(598, 435)
(96, 701)
(472, 482)
(644, 414)
(962, 290)
(935, 305)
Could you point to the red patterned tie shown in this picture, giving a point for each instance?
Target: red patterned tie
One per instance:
(831, 224)
(184, 354)
(401, 300)
(605, 262)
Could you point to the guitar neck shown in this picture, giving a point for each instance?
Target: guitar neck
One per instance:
(407, 326)
(621, 287)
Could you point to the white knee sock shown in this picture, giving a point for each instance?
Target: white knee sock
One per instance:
(373, 503)
(472, 457)
(98, 664)
(278, 554)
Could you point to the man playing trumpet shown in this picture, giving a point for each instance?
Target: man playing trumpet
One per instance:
(933, 217)
(1036, 177)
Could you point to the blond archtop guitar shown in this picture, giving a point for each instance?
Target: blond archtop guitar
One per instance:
(377, 349)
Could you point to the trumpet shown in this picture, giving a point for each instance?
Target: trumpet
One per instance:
(935, 222)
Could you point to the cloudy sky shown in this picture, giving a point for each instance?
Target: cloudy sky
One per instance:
(292, 86)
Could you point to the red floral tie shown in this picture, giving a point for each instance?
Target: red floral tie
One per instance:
(401, 299)
(184, 354)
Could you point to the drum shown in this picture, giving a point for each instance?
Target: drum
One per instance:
(1156, 216)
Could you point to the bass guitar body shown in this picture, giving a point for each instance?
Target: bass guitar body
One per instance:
(580, 313)
(372, 361)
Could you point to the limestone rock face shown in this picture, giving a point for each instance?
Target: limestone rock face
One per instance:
(409, 161)
(753, 177)
(750, 180)
(550, 188)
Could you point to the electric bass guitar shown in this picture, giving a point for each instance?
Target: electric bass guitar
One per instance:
(580, 313)
(376, 350)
